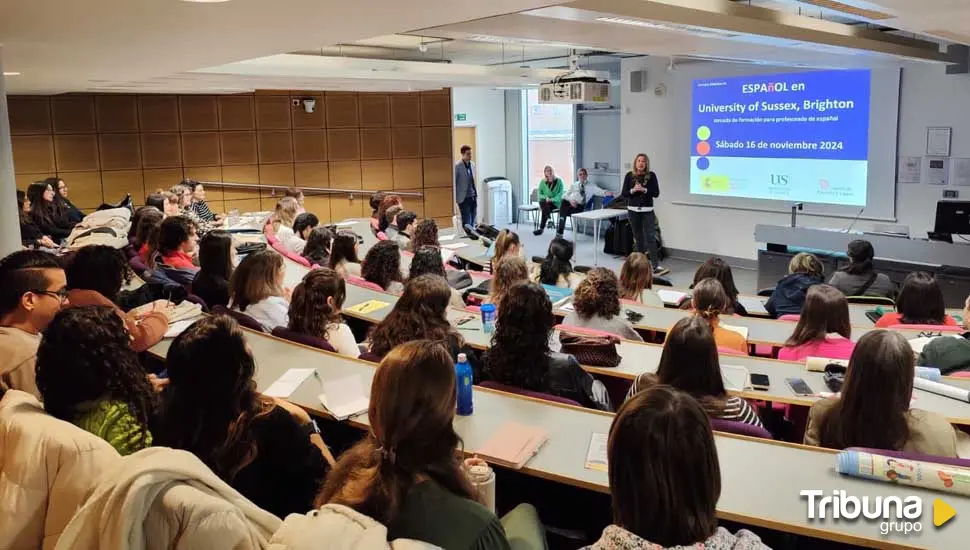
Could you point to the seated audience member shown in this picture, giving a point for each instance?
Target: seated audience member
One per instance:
(506, 244)
(343, 254)
(873, 409)
(257, 289)
(520, 356)
(382, 266)
(717, 268)
(508, 272)
(89, 375)
(95, 276)
(156, 200)
(198, 204)
(428, 260)
(184, 195)
(405, 228)
(556, 269)
(390, 216)
(172, 249)
(690, 364)
(596, 305)
(287, 209)
(297, 194)
(318, 243)
(30, 233)
(823, 329)
(45, 214)
(268, 450)
(405, 473)
(576, 197)
(136, 217)
(148, 226)
(387, 201)
(665, 478)
(636, 281)
(420, 313)
(72, 213)
(804, 270)
(425, 234)
(315, 310)
(920, 302)
(33, 288)
(949, 353)
(549, 194)
(859, 278)
(167, 203)
(375, 203)
(216, 263)
(710, 302)
(302, 226)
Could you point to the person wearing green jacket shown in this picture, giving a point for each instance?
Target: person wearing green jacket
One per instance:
(550, 196)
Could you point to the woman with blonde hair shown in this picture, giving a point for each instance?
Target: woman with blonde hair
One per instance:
(636, 281)
(509, 271)
(287, 209)
(640, 187)
(804, 270)
(506, 244)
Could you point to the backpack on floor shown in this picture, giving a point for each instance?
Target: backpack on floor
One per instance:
(618, 238)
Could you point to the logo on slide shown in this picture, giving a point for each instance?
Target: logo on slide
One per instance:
(779, 179)
(823, 184)
(897, 514)
(716, 184)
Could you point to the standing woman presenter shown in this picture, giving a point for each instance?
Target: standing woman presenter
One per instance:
(640, 187)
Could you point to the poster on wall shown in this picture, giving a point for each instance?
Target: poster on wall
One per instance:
(936, 170)
(910, 170)
(938, 141)
(960, 169)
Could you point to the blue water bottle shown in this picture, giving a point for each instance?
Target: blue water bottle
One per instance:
(463, 373)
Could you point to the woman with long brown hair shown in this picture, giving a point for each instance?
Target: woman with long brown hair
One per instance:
(710, 302)
(636, 281)
(506, 244)
(257, 289)
(640, 187)
(508, 272)
(873, 409)
(315, 310)
(407, 473)
(268, 450)
(717, 268)
(386, 202)
(823, 329)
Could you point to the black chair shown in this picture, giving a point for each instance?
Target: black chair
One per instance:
(305, 339)
(766, 291)
(241, 318)
(370, 357)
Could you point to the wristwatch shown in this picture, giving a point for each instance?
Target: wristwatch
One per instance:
(312, 428)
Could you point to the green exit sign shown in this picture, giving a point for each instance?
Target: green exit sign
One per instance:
(461, 117)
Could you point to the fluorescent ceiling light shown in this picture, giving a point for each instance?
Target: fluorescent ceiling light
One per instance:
(690, 29)
(12, 73)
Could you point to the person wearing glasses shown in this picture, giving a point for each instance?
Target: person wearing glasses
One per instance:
(33, 288)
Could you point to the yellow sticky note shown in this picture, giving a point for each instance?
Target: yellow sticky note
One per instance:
(717, 184)
(942, 512)
(368, 307)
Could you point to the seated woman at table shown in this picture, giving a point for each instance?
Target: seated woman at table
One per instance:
(920, 302)
(173, 249)
(148, 225)
(520, 356)
(509, 271)
(950, 353)
(718, 269)
(375, 204)
(425, 234)
(318, 244)
(135, 219)
(596, 305)
(45, 213)
(258, 291)
(282, 224)
(690, 364)
(665, 478)
(636, 281)
(710, 302)
(268, 450)
(427, 260)
(823, 329)
(506, 244)
(89, 375)
(216, 264)
(344, 253)
(556, 269)
(405, 472)
(382, 266)
(296, 193)
(804, 270)
(30, 233)
(873, 409)
(859, 278)
(315, 310)
(386, 202)
(199, 204)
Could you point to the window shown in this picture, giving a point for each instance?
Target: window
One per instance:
(550, 136)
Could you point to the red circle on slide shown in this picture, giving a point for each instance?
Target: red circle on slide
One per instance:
(703, 148)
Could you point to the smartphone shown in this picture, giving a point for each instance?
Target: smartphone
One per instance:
(799, 386)
(464, 320)
(760, 381)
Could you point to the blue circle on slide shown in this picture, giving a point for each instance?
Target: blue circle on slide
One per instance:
(703, 163)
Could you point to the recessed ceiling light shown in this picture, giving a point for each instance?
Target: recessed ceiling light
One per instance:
(12, 73)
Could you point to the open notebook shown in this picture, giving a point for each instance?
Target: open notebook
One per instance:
(513, 445)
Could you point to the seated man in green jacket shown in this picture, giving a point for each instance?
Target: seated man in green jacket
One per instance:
(550, 196)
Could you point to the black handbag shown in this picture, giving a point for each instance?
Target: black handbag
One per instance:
(618, 240)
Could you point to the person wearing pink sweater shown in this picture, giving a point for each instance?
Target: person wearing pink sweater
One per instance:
(823, 330)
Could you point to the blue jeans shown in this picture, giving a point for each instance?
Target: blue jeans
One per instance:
(468, 209)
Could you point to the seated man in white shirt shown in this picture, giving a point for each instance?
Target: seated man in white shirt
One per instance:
(576, 196)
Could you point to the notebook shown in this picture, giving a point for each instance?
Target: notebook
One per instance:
(513, 445)
(343, 397)
(671, 296)
(596, 454)
(743, 331)
(736, 378)
(368, 307)
(286, 384)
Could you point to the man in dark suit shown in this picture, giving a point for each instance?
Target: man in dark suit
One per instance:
(466, 195)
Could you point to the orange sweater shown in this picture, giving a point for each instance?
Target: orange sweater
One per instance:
(725, 338)
(145, 332)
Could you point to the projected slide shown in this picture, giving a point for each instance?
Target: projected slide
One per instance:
(798, 137)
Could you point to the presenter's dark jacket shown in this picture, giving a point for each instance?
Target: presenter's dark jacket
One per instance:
(640, 200)
(789, 296)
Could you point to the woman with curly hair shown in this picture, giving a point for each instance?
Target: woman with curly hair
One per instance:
(425, 234)
(520, 356)
(596, 305)
(509, 271)
(318, 245)
(88, 375)
(382, 266)
(315, 310)
(427, 260)
(556, 269)
(268, 450)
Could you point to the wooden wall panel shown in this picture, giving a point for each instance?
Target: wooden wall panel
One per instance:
(207, 173)
(376, 174)
(414, 204)
(236, 112)
(374, 110)
(29, 115)
(200, 149)
(342, 207)
(405, 110)
(273, 112)
(345, 175)
(302, 119)
(115, 184)
(436, 141)
(311, 174)
(406, 142)
(116, 113)
(85, 188)
(161, 179)
(33, 154)
(341, 110)
(439, 172)
(408, 174)
(77, 152)
(438, 202)
(436, 110)
(161, 150)
(73, 114)
(198, 113)
(343, 144)
(240, 174)
(158, 113)
(319, 205)
(309, 145)
(375, 143)
(120, 151)
(276, 174)
(275, 146)
(244, 205)
(23, 181)
(238, 148)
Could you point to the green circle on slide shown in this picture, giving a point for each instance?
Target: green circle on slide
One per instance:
(703, 133)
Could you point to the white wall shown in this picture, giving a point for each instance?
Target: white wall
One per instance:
(485, 109)
(928, 97)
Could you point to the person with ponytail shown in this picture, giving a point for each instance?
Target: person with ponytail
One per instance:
(860, 278)
(710, 301)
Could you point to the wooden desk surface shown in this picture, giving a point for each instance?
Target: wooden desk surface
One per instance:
(760, 480)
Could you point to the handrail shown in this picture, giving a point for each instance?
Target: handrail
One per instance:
(306, 190)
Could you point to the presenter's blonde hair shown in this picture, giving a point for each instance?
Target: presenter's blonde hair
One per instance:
(646, 169)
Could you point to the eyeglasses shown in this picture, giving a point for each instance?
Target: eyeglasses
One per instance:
(59, 294)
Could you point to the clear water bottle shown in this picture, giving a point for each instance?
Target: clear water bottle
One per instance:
(463, 374)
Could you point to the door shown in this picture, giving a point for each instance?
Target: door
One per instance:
(465, 135)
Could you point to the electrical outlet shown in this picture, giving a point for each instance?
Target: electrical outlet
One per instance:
(950, 193)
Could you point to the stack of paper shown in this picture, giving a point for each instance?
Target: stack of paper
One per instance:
(344, 397)
(674, 297)
(596, 455)
(736, 378)
(286, 384)
(454, 246)
(743, 331)
(513, 445)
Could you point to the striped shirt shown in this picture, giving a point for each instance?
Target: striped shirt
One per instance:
(201, 209)
(735, 408)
